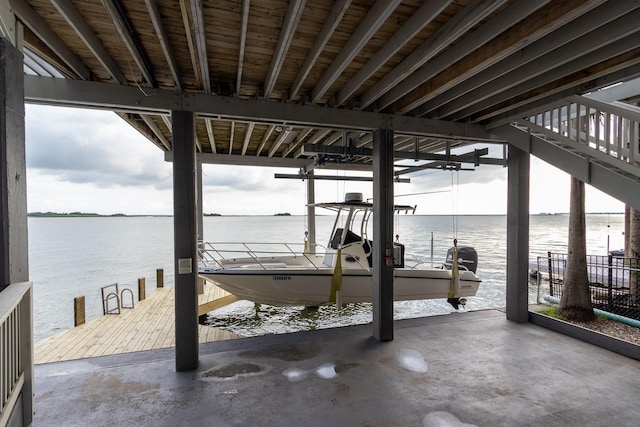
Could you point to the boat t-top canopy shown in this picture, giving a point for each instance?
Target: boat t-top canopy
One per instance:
(356, 201)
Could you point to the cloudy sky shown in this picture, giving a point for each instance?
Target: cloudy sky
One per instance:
(92, 161)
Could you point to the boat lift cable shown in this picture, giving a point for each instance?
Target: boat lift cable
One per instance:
(422, 193)
(454, 202)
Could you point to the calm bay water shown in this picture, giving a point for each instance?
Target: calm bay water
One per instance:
(69, 257)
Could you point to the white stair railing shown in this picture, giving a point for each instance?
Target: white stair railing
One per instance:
(610, 130)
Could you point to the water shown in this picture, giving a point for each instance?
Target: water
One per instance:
(69, 257)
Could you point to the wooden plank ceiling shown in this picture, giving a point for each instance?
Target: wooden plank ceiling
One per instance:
(469, 61)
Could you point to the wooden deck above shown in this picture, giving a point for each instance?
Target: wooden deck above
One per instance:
(150, 325)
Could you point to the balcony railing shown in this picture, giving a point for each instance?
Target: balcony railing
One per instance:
(16, 353)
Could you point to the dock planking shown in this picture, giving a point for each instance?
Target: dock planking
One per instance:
(148, 326)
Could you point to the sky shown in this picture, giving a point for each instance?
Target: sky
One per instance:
(92, 161)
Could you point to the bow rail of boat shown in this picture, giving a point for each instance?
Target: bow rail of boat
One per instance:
(265, 256)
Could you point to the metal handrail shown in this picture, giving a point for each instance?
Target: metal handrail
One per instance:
(212, 253)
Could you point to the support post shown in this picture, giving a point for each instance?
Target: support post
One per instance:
(311, 213)
(383, 233)
(14, 252)
(79, 317)
(199, 201)
(160, 278)
(142, 288)
(518, 235)
(185, 239)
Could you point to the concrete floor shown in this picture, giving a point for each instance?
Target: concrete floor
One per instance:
(460, 369)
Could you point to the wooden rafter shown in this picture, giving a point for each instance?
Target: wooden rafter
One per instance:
(445, 36)
(37, 25)
(246, 4)
(409, 29)
(163, 39)
(291, 19)
(377, 15)
(455, 98)
(82, 29)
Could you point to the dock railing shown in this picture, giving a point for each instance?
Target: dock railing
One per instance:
(16, 354)
(614, 281)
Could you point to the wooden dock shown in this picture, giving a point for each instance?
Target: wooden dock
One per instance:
(150, 325)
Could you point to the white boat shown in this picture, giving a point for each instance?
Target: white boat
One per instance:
(280, 274)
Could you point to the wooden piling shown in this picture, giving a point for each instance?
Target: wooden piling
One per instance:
(142, 289)
(160, 278)
(78, 311)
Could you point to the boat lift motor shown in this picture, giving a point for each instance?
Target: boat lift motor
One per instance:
(467, 258)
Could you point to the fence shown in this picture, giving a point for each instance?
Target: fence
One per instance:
(16, 353)
(612, 280)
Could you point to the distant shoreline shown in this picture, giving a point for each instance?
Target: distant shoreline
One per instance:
(119, 215)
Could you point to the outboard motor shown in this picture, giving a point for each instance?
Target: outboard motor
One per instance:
(467, 257)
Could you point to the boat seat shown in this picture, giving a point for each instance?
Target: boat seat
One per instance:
(367, 245)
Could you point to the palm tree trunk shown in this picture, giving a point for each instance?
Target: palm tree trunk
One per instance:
(575, 303)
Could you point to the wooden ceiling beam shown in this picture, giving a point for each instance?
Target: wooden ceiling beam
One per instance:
(156, 20)
(40, 66)
(333, 19)
(156, 130)
(246, 4)
(286, 136)
(298, 141)
(66, 92)
(212, 139)
(130, 39)
(501, 22)
(420, 19)
(625, 67)
(265, 138)
(247, 137)
(287, 32)
(193, 20)
(457, 97)
(376, 16)
(84, 32)
(36, 24)
(463, 21)
(545, 76)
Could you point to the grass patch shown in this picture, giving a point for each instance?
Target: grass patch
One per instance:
(551, 311)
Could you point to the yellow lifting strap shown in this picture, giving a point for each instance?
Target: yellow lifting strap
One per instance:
(336, 280)
(454, 287)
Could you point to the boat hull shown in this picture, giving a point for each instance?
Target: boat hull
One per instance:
(284, 287)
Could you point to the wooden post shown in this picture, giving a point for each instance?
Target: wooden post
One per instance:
(160, 278)
(382, 277)
(200, 285)
(185, 240)
(78, 311)
(518, 235)
(142, 288)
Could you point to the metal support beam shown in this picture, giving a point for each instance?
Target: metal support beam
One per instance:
(331, 178)
(518, 235)
(383, 233)
(474, 156)
(184, 226)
